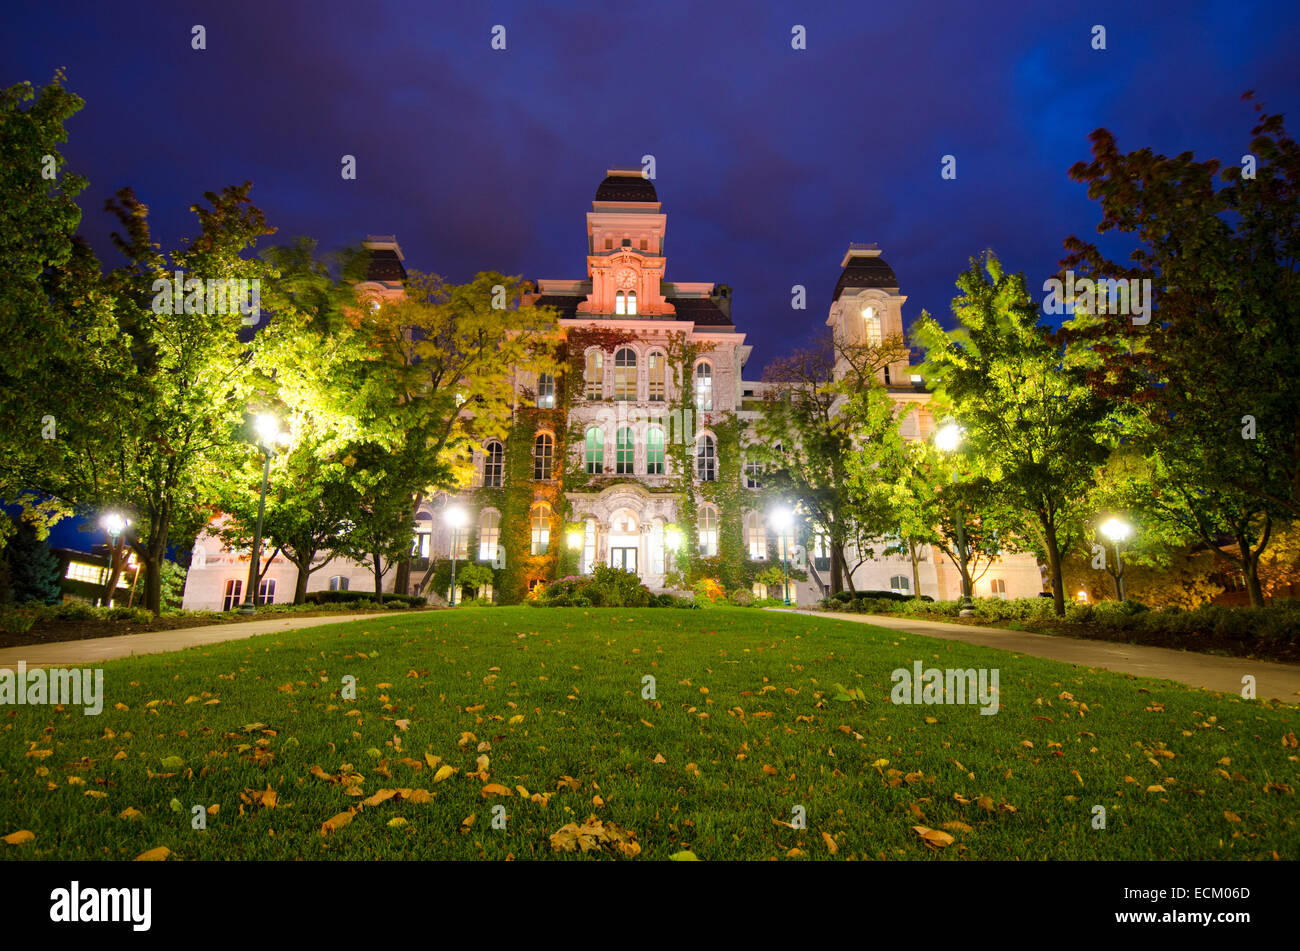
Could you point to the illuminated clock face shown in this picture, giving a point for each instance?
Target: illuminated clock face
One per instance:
(625, 278)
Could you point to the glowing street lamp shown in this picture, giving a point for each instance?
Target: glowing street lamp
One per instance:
(113, 524)
(781, 519)
(268, 435)
(947, 439)
(1117, 530)
(456, 519)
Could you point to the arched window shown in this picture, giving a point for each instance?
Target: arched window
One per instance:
(708, 531)
(546, 391)
(871, 325)
(620, 302)
(625, 374)
(753, 474)
(657, 388)
(595, 375)
(489, 534)
(654, 451)
(595, 451)
(901, 584)
(494, 463)
(631, 302)
(541, 526)
(543, 456)
(624, 452)
(706, 459)
(704, 387)
(755, 536)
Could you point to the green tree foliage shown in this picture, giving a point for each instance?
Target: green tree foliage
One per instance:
(33, 568)
(1032, 425)
(1209, 377)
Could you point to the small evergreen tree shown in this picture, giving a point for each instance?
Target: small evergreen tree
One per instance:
(33, 568)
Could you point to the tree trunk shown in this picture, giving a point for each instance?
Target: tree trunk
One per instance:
(1054, 570)
(1250, 568)
(300, 584)
(837, 561)
(379, 578)
(916, 568)
(114, 569)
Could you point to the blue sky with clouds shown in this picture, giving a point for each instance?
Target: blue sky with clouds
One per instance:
(769, 160)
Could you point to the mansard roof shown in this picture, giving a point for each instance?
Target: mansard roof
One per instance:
(627, 187)
(865, 272)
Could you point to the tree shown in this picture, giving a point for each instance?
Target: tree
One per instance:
(50, 301)
(1207, 376)
(1031, 422)
(828, 436)
(177, 373)
(34, 573)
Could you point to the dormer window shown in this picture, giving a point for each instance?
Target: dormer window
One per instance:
(627, 242)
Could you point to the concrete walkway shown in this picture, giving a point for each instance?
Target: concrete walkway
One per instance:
(94, 650)
(1211, 671)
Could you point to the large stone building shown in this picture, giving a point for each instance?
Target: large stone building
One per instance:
(633, 454)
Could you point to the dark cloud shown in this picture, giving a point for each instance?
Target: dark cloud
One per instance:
(769, 160)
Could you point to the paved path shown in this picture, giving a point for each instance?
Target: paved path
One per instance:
(85, 653)
(1211, 671)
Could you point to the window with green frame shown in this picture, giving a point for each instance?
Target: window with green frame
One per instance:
(595, 454)
(624, 452)
(654, 451)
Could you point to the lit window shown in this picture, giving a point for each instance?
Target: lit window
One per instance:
(588, 546)
(546, 391)
(234, 588)
(420, 546)
(871, 323)
(704, 387)
(654, 451)
(541, 525)
(266, 592)
(752, 472)
(755, 537)
(900, 584)
(706, 459)
(489, 534)
(998, 588)
(655, 364)
(494, 464)
(338, 583)
(708, 531)
(595, 375)
(595, 451)
(625, 374)
(624, 452)
(631, 302)
(543, 456)
(620, 303)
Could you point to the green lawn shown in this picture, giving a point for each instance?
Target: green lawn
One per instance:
(746, 723)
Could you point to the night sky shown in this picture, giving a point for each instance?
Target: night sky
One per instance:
(769, 160)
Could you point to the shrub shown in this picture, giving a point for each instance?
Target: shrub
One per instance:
(16, 622)
(141, 615)
(342, 597)
(742, 597)
(605, 587)
(707, 590)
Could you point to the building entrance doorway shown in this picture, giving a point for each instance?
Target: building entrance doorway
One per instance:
(624, 558)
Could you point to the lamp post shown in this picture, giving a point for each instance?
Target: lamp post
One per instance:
(948, 439)
(113, 524)
(456, 519)
(780, 519)
(1117, 530)
(268, 434)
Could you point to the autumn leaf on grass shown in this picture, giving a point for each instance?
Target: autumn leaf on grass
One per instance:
(21, 837)
(1231, 816)
(769, 769)
(958, 826)
(335, 823)
(381, 796)
(321, 774)
(432, 760)
(494, 789)
(443, 772)
(130, 812)
(831, 847)
(595, 835)
(985, 803)
(154, 855)
(934, 838)
(1156, 788)
(402, 725)
(684, 856)
(265, 798)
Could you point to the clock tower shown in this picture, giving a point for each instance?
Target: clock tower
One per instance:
(625, 249)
